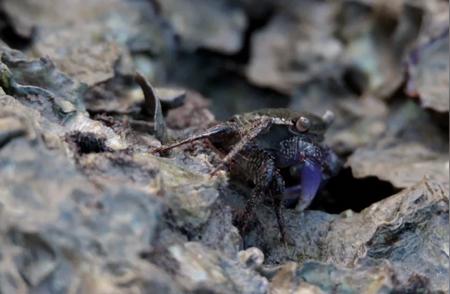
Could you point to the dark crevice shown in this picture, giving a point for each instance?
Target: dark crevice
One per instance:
(224, 82)
(442, 120)
(10, 36)
(7, 137)
(85, 143)
(355, 80)
(255, 23)
(345, 192)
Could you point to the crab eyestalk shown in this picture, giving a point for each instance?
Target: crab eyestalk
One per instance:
(328, 117)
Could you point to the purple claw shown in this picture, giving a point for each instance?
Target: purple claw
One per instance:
(291, 195)
(310, 180)
(311, 177)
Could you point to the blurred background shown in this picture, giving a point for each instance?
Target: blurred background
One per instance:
(245, 54)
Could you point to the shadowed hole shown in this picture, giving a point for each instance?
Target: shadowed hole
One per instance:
(85, 143)
(10, 36)
(345, 192)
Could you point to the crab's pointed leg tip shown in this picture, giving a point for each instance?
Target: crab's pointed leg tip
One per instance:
(157, 150)
(214, 172)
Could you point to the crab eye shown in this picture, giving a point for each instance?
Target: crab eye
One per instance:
(303, 124)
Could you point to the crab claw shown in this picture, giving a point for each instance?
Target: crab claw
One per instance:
(310, 175)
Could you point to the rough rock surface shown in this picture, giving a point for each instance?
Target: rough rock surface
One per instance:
(410, 149)
(428, 74)
(221, 27)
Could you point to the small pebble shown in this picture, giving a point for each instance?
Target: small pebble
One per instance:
(252, 258)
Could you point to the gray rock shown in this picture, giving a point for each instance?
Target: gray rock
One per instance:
(318, 278)
(64, 234)
(219, 232)
(252, 257)
(407, 230)
(204, 269)
(411, 148)
(282, 51)
(428, 66)
(221, 27)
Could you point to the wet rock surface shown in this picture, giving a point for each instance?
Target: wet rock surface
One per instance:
(86, 206)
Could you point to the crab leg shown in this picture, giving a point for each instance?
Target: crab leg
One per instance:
(254, 131)
(267, 180)
(211, 132)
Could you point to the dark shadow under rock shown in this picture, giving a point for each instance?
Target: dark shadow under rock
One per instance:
(84, 143)
(344, 192)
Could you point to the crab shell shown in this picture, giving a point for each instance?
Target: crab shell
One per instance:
(300, 152)
(288, 117)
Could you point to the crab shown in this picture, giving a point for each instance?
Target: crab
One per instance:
(270, 147)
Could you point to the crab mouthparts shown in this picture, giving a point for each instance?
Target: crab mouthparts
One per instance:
(310, 180)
